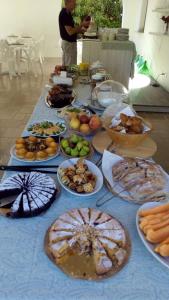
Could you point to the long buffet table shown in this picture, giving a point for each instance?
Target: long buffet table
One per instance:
(27, 273)
(116, 56)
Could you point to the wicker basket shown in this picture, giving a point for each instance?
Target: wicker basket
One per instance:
(126, 139)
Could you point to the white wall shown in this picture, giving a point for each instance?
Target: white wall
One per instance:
(155, 49)
(33, 17)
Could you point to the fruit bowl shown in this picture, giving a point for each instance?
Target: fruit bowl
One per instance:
(84, 124)
(126, 139)
(75, 146)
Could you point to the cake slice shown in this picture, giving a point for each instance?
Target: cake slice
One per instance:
(103, 263)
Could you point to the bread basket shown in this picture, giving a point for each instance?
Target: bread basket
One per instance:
(126, 139)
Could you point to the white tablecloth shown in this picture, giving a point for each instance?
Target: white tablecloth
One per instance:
(116, 56)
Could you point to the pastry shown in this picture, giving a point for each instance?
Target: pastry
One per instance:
(129, 124)
(53, 145)
(50, 151)
(33, 148)
(40, 155)
(32, 139)
(30, 155)
(21, 153)
(19, 146)
(142, 179)
(20, 141)
(78, 177)
(49, 140)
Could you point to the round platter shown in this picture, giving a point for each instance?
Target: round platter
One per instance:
(49, 104)
(114, 180)
(61, 122)
(64, 112)
(145, 149)
(13, 155)
(86, 261)
(150, 247)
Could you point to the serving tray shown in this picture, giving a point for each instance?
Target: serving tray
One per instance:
(82, 266)
(150, 247)
(145, 149)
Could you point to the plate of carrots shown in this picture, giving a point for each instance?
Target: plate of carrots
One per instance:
(152, 221)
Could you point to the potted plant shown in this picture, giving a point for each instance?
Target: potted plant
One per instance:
(166, 21)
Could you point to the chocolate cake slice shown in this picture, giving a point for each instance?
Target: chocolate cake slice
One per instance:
(34, 193)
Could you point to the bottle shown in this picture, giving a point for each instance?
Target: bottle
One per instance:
(140, 62)
(144, 69)
(137, 58)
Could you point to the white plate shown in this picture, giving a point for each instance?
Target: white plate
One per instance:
(150, 247)
(61, 121)
(108, 161)
(13, 154)
(90, 34)
(62, 111)
(92, 167)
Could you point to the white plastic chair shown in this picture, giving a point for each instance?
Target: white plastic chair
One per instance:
(7, 56)
(32, 55)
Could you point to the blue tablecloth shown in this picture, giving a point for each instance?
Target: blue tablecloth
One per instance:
(27, 273)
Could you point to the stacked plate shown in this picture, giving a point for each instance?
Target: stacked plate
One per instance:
(90, 35)
(122, 34)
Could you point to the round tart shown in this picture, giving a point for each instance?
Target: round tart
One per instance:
(87, 243)
(34, 193)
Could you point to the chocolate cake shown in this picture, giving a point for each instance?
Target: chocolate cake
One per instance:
(34, 193)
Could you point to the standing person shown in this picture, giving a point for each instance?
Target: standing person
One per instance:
(68, 33)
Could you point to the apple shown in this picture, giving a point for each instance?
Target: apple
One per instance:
(84, 119)
(95, 122)
(84, 128)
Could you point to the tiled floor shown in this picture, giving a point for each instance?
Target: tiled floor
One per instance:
(19, 96)
(17, 100)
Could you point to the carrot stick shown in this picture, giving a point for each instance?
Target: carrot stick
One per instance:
(166, 241)
(163, 250)
(156, 226)
(157, 236)
(154, 210)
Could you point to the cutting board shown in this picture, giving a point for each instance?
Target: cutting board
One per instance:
(147, 148)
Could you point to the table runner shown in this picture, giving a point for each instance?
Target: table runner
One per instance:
(117, 45)
(123, 46)
(26, 272)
